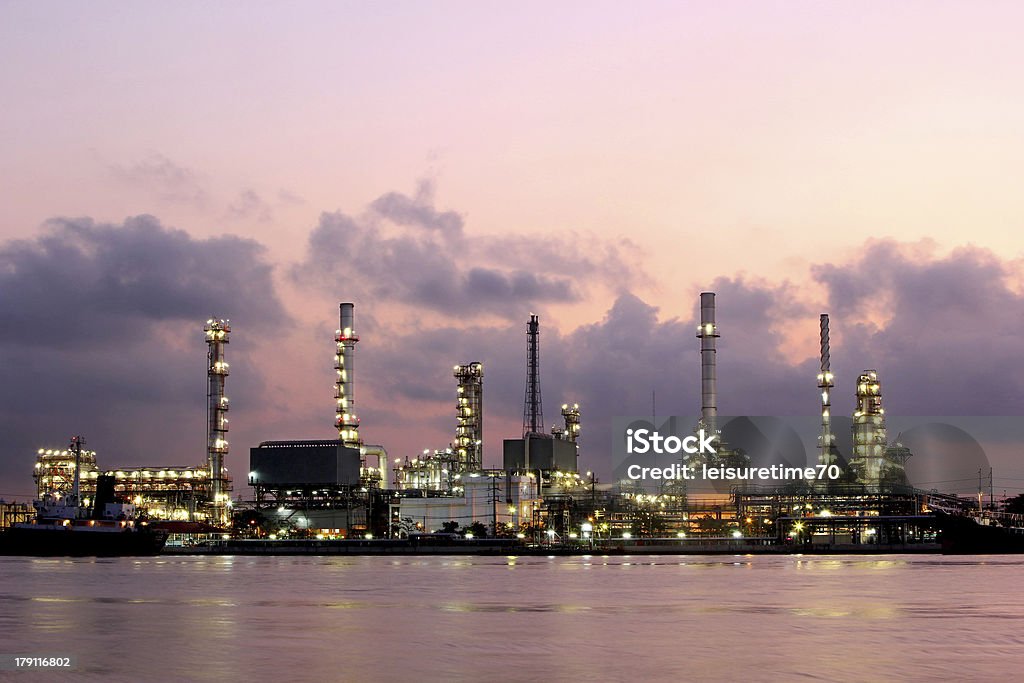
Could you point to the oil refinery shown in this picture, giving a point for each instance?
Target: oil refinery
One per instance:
(345, 488)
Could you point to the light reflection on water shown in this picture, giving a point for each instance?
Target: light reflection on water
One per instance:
(519, 618)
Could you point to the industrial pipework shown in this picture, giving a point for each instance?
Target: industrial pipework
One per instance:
(533, 408)
(869, 439)
(707, 333)
(217, 336)
(469, 412)
(827, 441)
(571, 416)
(344, 391)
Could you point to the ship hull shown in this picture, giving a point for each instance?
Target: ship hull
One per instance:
(964, 536)
(49, 542)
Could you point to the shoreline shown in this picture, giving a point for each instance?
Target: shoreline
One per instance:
(484, 547)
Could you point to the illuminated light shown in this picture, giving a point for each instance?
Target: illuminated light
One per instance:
(737, 534)
(626, 535)
(681, 534)
(368, 537)
(469, 534)
(826, 513)
(520, 536)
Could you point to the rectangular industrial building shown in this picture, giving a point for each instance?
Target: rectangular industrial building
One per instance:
(545, 453)
(303, 463)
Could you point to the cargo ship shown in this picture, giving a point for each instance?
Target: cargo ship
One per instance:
(65, 527)
(992, 533)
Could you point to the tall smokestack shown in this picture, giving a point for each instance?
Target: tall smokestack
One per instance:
(217, 337)
(826, 441)
(344, 387)
(707, 333)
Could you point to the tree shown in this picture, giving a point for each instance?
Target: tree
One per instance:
(1015, 505)
(451, 527)
(709, 526)
(648, 523)
(478, 529)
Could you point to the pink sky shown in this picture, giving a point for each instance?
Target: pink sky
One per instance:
(721, 139)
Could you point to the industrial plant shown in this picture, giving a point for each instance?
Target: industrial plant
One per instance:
(345, 488)
(197, 494)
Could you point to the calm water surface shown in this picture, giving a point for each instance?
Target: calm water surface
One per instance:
(518, 619)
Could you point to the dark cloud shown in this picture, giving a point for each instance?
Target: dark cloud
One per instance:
(102, 335)
(947, 338)
(163, 179)
(83, 282)
(421, 257)
(345, 255)
(418, 211)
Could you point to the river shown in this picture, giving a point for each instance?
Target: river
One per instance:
(692, 618)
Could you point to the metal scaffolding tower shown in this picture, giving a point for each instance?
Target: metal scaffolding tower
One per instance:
(533, 409)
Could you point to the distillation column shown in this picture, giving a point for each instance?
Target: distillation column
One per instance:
(869, 439)
(469, 411)
(571, 416)
(217, 333)
(827, 441)
(533, 409)
(708, 333)
(345, 419)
